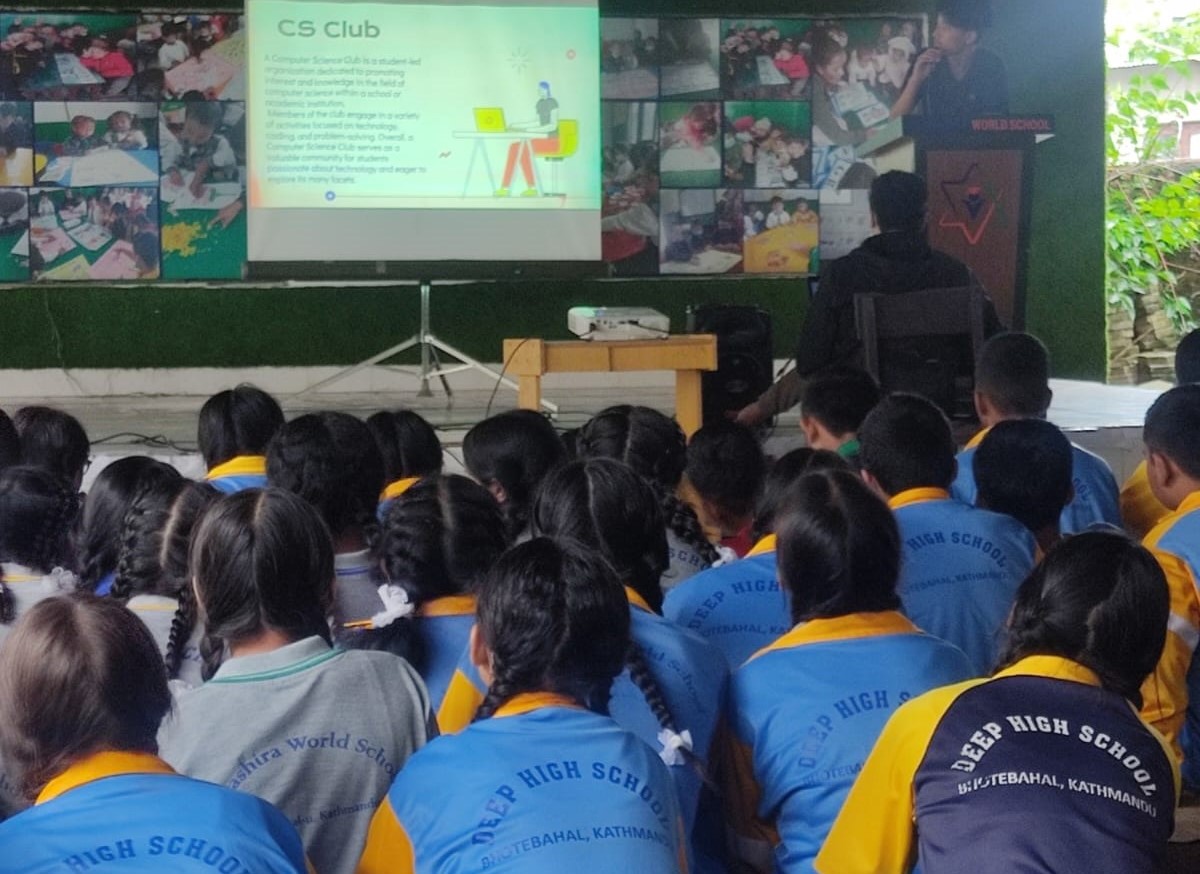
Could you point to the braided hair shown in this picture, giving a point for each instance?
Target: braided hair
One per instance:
(553, 619)
(331, 460)
(408, 444)
(512, 453)
(36, 513)
(99, 533)
(656, 448)
(153, 556)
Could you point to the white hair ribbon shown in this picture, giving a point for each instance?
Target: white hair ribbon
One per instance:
(396, 605)
(672, 742)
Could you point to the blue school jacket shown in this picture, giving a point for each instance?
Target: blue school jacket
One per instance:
(1097, 496)
(804, 714)
(692, 675)
(238, 474)
(130, 812)
(542, 787)
(738, 607)
(444, 626)
(1036, 769)
(960, 570)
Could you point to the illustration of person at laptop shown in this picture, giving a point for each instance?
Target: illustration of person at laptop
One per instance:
(528, 149)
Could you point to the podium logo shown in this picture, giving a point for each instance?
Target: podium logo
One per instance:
(968, 205)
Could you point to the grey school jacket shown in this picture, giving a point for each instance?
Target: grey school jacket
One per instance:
(318, 732)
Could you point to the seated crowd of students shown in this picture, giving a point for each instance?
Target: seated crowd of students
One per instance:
(613, 648)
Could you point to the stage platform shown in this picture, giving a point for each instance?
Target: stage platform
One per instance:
(1105, 419)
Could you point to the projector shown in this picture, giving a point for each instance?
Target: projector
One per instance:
(617, 323)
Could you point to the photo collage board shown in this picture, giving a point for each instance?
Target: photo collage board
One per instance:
(122, 146)
(730, 144)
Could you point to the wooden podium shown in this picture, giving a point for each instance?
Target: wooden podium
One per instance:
(979, 173)
(688, 355)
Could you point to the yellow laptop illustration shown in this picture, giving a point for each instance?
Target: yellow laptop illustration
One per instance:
(490, 120)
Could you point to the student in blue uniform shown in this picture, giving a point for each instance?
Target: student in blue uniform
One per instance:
(410, 449)
(316, 730)
(740, 607)
(82, 693)
(1023, 470)
(331, 460)
(834, 404)
(543, 780)
(805, 711)
(152, 573)
(962, 565)
(438, 541)
(112, 494)
(1012, 381)
(54, 441)
(234, 429)
(1045, 766)
(510, 454)
(655, 447)
(723, 480)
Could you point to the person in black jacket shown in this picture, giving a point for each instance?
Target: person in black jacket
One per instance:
(897, 260)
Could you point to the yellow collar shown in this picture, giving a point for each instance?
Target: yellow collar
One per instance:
(978, 438)
(847, 627)
(1191, 502)
(917, 496)
(768, 544)
(637, 600)
(97, 766)
(242, 465)
(450, 605)
(1054, 667)
(527, 701)
(399, 487)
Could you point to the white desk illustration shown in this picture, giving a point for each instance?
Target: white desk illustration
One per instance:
(480, 149)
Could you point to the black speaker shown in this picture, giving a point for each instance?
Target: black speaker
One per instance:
(744, 355)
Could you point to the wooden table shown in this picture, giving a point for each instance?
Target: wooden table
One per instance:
(689, 355)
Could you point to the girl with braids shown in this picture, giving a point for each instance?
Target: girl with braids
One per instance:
(152, 578)
(234, 429)
(957, 782)
(410, 449)
(510, 454)
(319, 732)
(37, 511)
(655, 447)
(98, 539)
(805, 711)
(438, 541)
(739, 607)
(560, 785)
(83, 690)
(331, 460)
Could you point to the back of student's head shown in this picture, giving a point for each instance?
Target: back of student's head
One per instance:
(898, 201)
(1023, 468)
(53, 440)
(783, 475)
(604, 504)
(10, 442)
(726, 465)
(1187, 359)
(440, 537)
(330, 460)
(839, 547)
(1013, 372)
(37, 511)
(103, 517)
(839, 398)
(554, 617)
(655, 447)
(907, 444)
(408, 444)
(1098, 598)
(237, 421)
(262, 560)
(1171, 426)
(78, 675)
(511, 453)
(973, 15)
